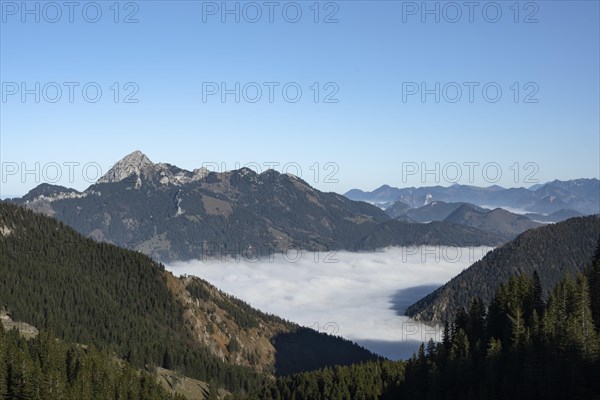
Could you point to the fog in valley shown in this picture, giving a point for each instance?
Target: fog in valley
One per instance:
(360, 296)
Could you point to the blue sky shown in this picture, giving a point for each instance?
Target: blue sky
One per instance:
(368, 61)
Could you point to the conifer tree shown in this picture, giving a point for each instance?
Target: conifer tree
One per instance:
(460, 346)
(446, 337)
(583, 332)
(538, 293)
(519, 334)
(594, 282)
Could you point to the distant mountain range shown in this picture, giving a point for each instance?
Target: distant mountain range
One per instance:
(498, 221)
(580, 196)
(173, 214)
(504, 212)
(552, 250)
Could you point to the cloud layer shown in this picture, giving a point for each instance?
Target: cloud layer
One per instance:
(355, 295)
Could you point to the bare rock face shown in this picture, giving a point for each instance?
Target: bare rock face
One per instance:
(139, 165)
(26, 330)
(132, 164)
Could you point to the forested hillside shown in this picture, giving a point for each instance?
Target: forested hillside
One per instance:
(96, 293)
(48, 369)
(399, 233)
(552, 250)
(520, 346)
(126, 304)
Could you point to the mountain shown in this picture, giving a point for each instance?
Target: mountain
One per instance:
(50, 191)
(549, 204)
(396, 232)
(551, 250)
(137, 166)
(124, 303)
(498, 220)
(434, 211)
(381, 195)
(557, 216)
(404, 218)
(580, 195)
(584, 193)
(173, 214)
(397, 209)
(135, 163)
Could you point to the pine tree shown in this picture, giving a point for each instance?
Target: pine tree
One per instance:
(476, 321)
(536, 330)
(538, 294)
(519, 335)
(3, 364)
(460, 346)
(583, 332)
(166, 362)
(462, 320)
(446, 337)
(594, 282)
(494, 348)
(213, 390)
(556, 317)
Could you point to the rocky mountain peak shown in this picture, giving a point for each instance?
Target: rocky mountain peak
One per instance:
(132, 164)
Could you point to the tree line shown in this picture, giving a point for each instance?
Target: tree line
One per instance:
(44, 368)
(523, 345)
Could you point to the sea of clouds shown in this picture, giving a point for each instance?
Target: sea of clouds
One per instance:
(360, 296)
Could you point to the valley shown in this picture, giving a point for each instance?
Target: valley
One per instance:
(353, 295)
(322, 200)
(213, 294)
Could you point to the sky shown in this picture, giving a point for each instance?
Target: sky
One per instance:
(360, 296)
(345, 94)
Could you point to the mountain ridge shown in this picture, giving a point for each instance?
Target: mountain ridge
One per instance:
(551, 250)
(496, 220)
(581, 195)
(173, 214)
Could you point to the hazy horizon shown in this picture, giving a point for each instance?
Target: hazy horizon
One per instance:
(351, 90)
(13, 171)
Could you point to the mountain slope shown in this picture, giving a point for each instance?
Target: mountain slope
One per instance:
(45, 368)
(96, 293)
(397, 209)
(174, 214)
(552, 250)
(557, 216)
(381, 195)
(123, 302)
(395, 232)
(497, 220)
(436, 211)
